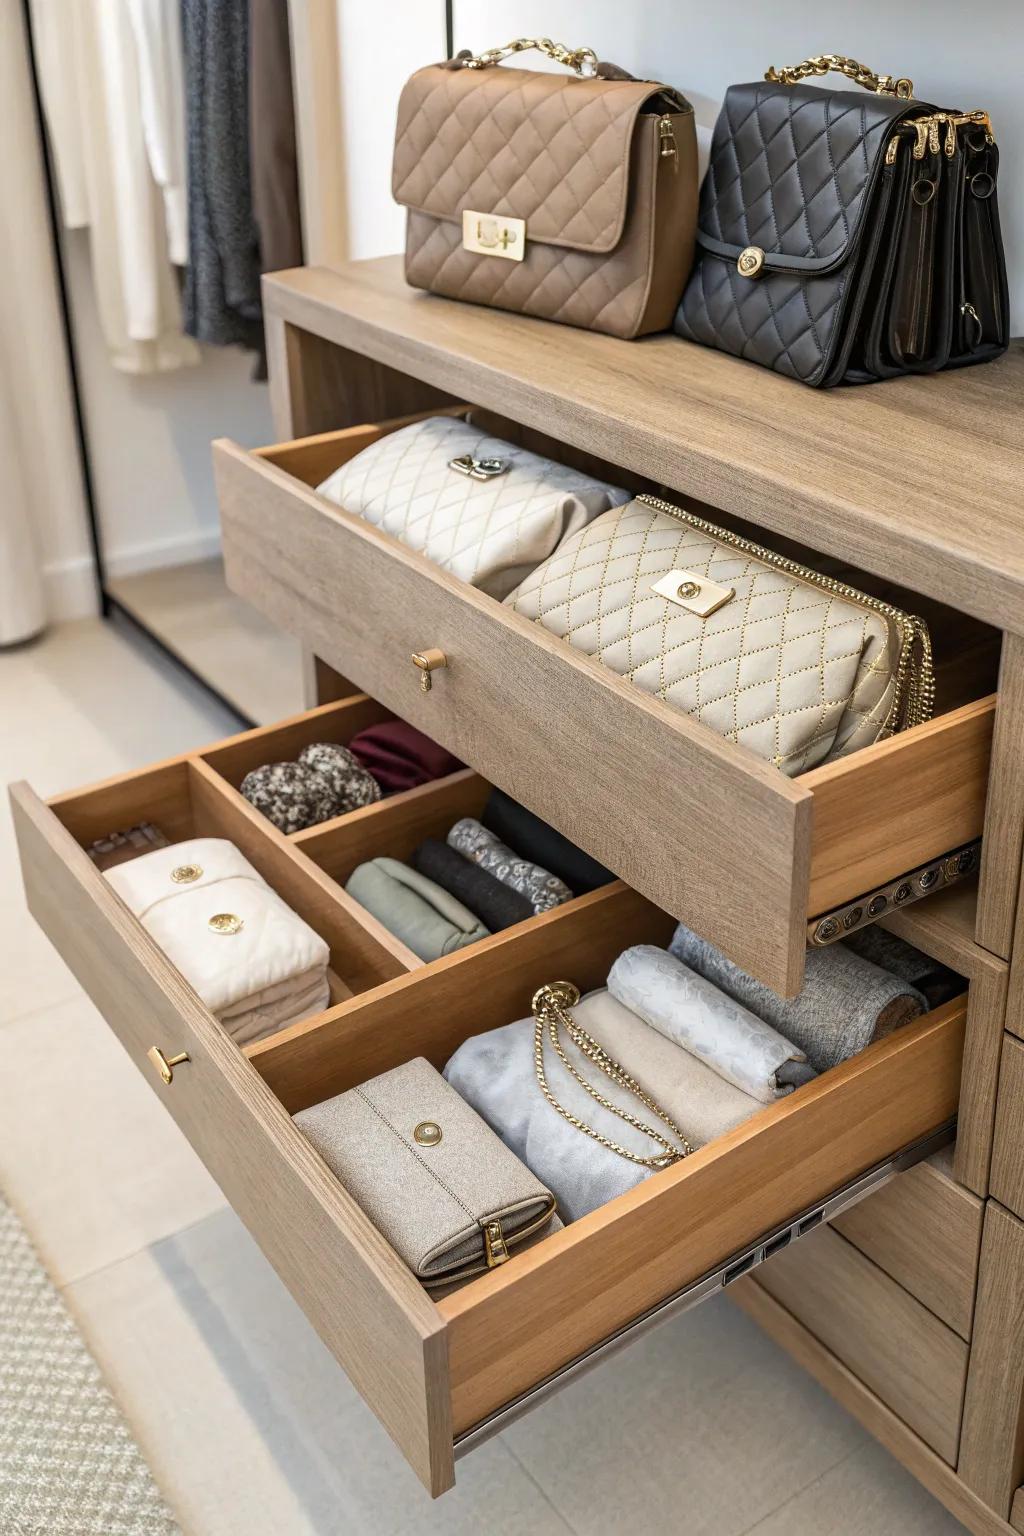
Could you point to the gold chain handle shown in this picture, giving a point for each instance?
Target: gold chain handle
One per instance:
(582, 60)
(551, 1005)
(822, 63)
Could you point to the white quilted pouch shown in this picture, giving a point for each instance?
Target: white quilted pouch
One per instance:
(254, 962)
(795, 666)
(486, 510)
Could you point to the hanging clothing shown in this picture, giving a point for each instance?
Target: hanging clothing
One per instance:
(275, 161)
(92, 96)
(222, 282)
(156, 25)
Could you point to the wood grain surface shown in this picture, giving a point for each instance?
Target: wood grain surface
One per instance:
(992, 1444)
(1008, 1147)
(887, 478)
(914, 1362)
(1004, 825)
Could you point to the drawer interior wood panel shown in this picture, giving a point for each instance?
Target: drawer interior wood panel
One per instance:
(432, 1370)
(896, 1346)
(727, 843)
(924, 1230)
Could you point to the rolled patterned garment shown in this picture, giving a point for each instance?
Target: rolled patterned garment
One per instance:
(496, 1073)
(845, 1003)
(718, 1030)
(542, 889)
(497, 906)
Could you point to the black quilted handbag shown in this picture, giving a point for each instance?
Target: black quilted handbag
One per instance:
(846, 237)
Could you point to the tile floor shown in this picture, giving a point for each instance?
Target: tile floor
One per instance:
(702, 1429)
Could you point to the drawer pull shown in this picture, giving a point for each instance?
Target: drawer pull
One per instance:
(428, 661)
(165, 1065)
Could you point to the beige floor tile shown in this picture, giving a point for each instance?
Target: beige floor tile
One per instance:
(248, 1422)
(868, 1494)
(701, 1428)
(92, 1162)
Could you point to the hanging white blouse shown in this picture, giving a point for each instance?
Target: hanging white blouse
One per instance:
(87, 50)
(156, 25)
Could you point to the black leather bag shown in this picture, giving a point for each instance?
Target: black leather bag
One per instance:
(846, 237)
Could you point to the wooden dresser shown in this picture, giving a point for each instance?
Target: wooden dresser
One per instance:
(909, 1305)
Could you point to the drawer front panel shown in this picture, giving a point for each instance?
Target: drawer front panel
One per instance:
(1008, 1147)
(911, 1360)
(923, 1230)
(727, 843)
(364, 1303)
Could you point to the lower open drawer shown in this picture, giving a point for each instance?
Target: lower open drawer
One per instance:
(434, 1371)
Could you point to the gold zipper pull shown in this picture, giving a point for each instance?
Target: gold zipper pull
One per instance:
(893, 150)
(667, 140)
(495, 1247)
(920, 128)
(933, 133)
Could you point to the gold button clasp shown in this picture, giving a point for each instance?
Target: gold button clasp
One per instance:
(428, 1133)
(184, 874)
(689, 589)
(750, 261)
(226, 922)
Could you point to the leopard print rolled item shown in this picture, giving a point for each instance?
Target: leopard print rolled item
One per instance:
(352, 784)
(291, 795)
(542, 889)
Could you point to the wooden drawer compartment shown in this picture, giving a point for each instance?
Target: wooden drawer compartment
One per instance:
(727, 843)
(434, 1370)
(899, 1349)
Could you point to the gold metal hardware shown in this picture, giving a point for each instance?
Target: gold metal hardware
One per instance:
(165, 1065)
(428, 661)
(582, 60)
(225, 922)
(693, 592)
(494, 234)
(184, 874)
(892, 150)
(824, 63)
(668, 149)
(428, 1133)
(914, 694)
(495, 1246)
(750, 261)
(933, 876)
(926, 131)
(479, 469)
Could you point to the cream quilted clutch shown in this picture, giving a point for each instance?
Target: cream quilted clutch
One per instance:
(483, 508)
(793, 665)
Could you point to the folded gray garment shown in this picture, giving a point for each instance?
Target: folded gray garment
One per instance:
(429, 921)
(542, 889)
(495, 1072)
(706, 1021)
(845, 1003)
(936, 982)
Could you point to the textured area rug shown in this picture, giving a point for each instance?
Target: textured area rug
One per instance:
(69, 1465)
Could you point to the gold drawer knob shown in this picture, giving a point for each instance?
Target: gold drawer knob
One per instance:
(165, 1065)
(428, 661)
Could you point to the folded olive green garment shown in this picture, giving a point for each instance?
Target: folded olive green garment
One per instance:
(416, 910)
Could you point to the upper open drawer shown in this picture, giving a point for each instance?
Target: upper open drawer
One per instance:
(727, 843)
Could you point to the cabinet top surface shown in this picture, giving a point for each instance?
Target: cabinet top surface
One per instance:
(920, 479)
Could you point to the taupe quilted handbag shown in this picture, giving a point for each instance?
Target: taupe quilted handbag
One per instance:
(795, 666)
(846, 237)
(570, 199)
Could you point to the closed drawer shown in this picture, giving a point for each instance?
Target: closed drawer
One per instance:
(924, 1230)
(899, 1349)
(1007, 1179)
(727, 843)
(1017, 1512)
(435, 1370)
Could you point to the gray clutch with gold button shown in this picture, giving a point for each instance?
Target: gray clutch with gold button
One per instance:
(432, 1176)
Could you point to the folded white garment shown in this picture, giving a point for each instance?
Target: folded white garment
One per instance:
(254, 962)
(495, 1073)
(694, 1013)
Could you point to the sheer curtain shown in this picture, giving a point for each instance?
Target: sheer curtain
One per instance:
(42, 509)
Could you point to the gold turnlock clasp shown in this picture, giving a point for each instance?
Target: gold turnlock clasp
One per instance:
(428, 662)
(478, 469)
(493, 234)
(165, 1065)
(750, 261)
(495, 1246)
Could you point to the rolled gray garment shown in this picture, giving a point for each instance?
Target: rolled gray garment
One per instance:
(426, 918)
(495, 1073)
(845, 1003)
(542, 889)
(685, 1007)
(937, 983)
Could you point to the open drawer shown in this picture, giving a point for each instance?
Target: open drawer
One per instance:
(436, 1372)
(727, 843)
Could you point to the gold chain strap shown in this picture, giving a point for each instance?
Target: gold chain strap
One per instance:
(822, 63)
(551, 1005)
(582, 60)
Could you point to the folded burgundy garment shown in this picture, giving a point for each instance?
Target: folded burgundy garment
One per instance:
(401, 757)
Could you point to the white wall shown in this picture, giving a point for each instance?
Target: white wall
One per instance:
(956, 54)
